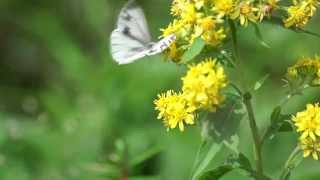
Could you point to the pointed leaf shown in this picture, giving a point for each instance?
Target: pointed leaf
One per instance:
(208, 152)
(195, 50)
(216, 173)
(259, 36)
(259, 83)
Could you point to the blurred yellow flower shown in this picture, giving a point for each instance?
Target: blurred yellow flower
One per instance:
(173, 110)
(300, 12)
(224, 7)
(266, 9)
(310, 147)
(306, 67)
(203, 83)
(245, 11)
(308, 122)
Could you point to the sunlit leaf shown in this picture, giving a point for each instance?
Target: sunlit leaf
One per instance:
(260, 82)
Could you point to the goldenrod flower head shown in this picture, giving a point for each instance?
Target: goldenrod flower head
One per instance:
(207, 23)
(310, 147)
(173, 110)
(298, 17)
(245, 11)
(199, 3)
(306, 67)
(224, 7)
(203, 83)
(308, 122)
(300, 13)
(174, 53)
(266, 9)
(173, 27)
(190, 14)
(178, 7)
(214, 38)
(311, 6)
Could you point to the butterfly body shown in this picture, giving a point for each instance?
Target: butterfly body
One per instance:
(131, 39)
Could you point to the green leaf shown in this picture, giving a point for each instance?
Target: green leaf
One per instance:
(216, 173)
(293, 161)
(140, 158)
(259, 36)
(223, 124)
(278, 123)
(241, 162)
(207, 152)
(260, 82)
(195, 50)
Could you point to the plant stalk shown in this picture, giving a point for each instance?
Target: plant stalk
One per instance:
(293, 161)
(255, 135)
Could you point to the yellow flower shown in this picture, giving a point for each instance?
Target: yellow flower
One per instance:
(207, 23)
(308, 122)
(173, 27)
(203, 83)
(300, 12)
(224, 7)
(177, 7)
(173, 110)
(214, 38)
(266, 9)
(206, 28)
(190, 14)
(199, 3)
(310, 147)
(306, 67)
(245, 12)
(298, 17)
(174, 53)
(312, 6)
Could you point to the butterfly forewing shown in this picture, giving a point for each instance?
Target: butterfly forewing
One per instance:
(133, 19)
(124, 49)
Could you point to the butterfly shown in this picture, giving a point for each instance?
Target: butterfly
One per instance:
(131, 39)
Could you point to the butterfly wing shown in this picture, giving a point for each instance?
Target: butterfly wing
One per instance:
(130, 41)
(125, 49)
(131, 16)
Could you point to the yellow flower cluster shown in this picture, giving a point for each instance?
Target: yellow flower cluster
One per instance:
(306, 67)
(202, 85)
(201, 89)
(308, 125)
(206, 19)
(301, 12)
(173, 110)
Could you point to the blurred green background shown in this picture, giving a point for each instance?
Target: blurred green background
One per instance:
(67, 111)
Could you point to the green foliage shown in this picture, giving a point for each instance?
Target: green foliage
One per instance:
(194, 50)
(68, 112)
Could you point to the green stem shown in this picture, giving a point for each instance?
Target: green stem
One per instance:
(293, 161)
(255, 135)
(247, 102)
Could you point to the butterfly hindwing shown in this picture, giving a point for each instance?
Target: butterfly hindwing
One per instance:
(125, 49)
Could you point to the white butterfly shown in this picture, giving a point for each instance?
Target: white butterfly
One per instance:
(131, 39)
